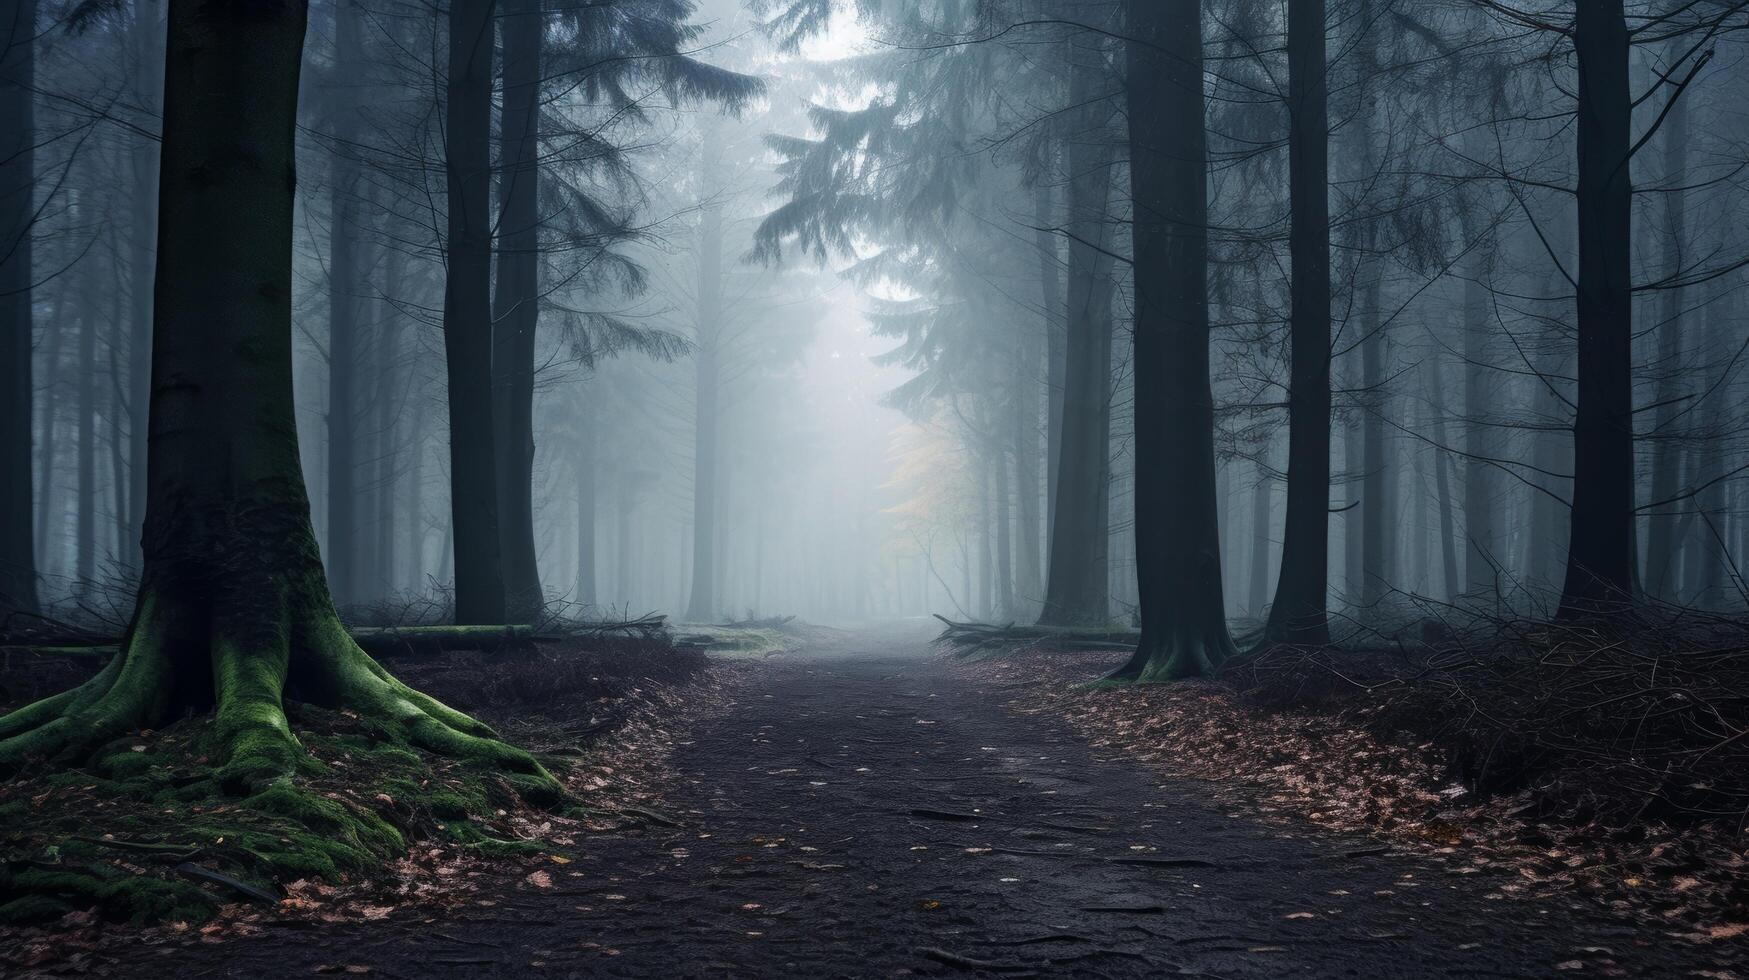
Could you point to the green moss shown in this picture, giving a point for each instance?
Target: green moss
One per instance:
(327, 831)
(485, 845)
(447, 805)
(32, 910)
(36, 890)
(237, 792)
(349, 811)
(125, 765)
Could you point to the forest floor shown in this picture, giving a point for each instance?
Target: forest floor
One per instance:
(866, 807)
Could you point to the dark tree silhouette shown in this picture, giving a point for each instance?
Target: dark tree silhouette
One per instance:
(233, 611)
(467, 317)
(1298, 613)
(1178, 555)
(17, 213)
(1600, 551)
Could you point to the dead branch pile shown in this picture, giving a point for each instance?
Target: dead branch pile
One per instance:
(1608, 723)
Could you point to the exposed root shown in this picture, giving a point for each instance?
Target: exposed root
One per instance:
(69, 726)
(263, 804)
(406, 715)
(1165, 656)
(251, 672)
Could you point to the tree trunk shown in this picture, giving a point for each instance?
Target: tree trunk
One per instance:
(115, 411)
(1076, 589)
(344, 287)
(1353, 514)
(48, 420)
(467, 319)
(1707, 556)
(986, 572)
(1004, 538)
(1481, 497)
(1377, 503)
(416, 523)
(147, 41)
(1552, 448)
(1600, 551)
(1662, 562)
(85, 515)
(1178, 560)
(1434, 374)
(518, 304)
(390, 390)
(623, 554)
(1262, 507)
(1298, 613)
(18, 574)
(1377, 520)
(233, 609)
(1023, 417)
(1051, 302)
(707, 410)
(586, 466)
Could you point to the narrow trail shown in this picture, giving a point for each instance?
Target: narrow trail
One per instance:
(867, 811)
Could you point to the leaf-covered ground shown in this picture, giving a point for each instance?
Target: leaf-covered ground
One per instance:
(1687, 882)
(200, 867)
(864, 808)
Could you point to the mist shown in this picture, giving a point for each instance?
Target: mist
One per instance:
(1377, 360)
(803, 287)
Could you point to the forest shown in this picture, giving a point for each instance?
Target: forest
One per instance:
(870, 487)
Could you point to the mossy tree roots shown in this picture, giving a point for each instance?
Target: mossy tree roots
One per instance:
(179, 657)
(1174, 655)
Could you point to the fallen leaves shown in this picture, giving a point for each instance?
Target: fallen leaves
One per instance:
(1324, 767)
(625, 771)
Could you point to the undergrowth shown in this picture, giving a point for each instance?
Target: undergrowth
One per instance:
(145, 832)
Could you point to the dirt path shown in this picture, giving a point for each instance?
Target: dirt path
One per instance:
(867, 811)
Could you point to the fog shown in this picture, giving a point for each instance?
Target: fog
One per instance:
(832, 310)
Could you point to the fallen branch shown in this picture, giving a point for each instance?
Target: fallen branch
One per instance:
(237, 885)
(176, 852)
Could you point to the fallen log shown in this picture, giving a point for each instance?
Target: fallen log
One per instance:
(974, 638)
(378, 641)
(388, 642)
(768, 623)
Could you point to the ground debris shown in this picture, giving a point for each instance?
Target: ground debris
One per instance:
(1275, 763)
